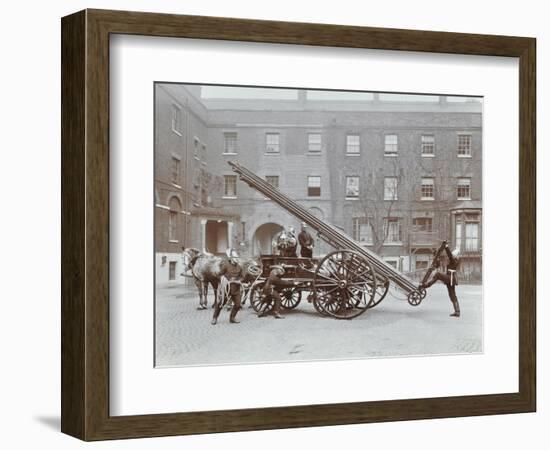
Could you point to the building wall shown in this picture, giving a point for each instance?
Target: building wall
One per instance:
(188, 142)
(207, 121)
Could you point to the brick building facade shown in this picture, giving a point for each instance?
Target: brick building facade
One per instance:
(398, 174)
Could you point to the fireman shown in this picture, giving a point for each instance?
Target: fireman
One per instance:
(449, 278)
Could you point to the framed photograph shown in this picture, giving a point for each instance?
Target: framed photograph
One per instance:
(273, 225)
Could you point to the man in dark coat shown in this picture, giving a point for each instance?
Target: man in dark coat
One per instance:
(233, 274)
(306, 242)
(273, 288)
(449, 278)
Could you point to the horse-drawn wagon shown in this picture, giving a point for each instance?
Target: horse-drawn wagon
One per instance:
(322, 281)
(344, 283)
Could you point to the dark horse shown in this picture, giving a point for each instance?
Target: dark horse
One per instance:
(205, 268)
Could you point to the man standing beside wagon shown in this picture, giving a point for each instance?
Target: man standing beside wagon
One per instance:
(306, 242)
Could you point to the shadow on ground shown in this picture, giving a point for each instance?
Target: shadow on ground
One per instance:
(52, 422)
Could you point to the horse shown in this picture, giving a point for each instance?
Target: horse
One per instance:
(206, 269)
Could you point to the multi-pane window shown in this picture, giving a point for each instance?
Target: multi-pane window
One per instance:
(314, 142)
(392, 230)
(176, 119)
(314, 186)
(174, 206)
(362, 230)
(272, 142)
(422, 262)
(273, 180)
(172, 226)
(463, 189)
(464, 145)
(230, 143)
(352, 187)
(427, 189)
(172, 270)
(423, 224)
(230, 186)
(471, 237)
(390, 145)
(353, 144)
(458, 234)
(428, 145)
(467, 233)
(390, 188)
(175, 170)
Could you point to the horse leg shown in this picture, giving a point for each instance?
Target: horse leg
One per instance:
(205, 294)
(215, 285)
(198, 283)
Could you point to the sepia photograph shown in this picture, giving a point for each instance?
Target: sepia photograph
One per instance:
(300, 224)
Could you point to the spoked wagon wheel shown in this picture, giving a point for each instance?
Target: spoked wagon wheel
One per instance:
(382, 288)
(318, 304)
(344, 284)
(415, 297)
(291, 297)
(259, 304)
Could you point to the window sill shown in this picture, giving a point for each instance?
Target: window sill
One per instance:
(229, 154)
(314, 154)
(352, 198)
(173, 241)
(353, 154)
(463, 198)
(227, 197)
(390, 199)
(391, 155)
(272, 154)
(428, 155)
(464, 156)
(392, 244)
(427, 199)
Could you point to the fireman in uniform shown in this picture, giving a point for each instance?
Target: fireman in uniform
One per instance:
(449, 278)
(306, 242)
(233, 273)
(273, 288)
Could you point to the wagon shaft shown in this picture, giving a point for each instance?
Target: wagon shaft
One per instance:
(328, 233)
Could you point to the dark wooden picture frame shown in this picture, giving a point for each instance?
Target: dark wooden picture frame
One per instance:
(85, 224)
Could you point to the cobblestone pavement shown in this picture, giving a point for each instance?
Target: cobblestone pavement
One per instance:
(184, 335)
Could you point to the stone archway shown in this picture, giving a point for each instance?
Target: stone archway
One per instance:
(263, 237)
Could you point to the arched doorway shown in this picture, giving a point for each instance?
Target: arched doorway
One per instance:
(263, 238)
(216, 236)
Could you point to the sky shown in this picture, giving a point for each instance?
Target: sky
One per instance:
(229, 92)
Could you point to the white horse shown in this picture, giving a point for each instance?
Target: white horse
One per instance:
(205, 268)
